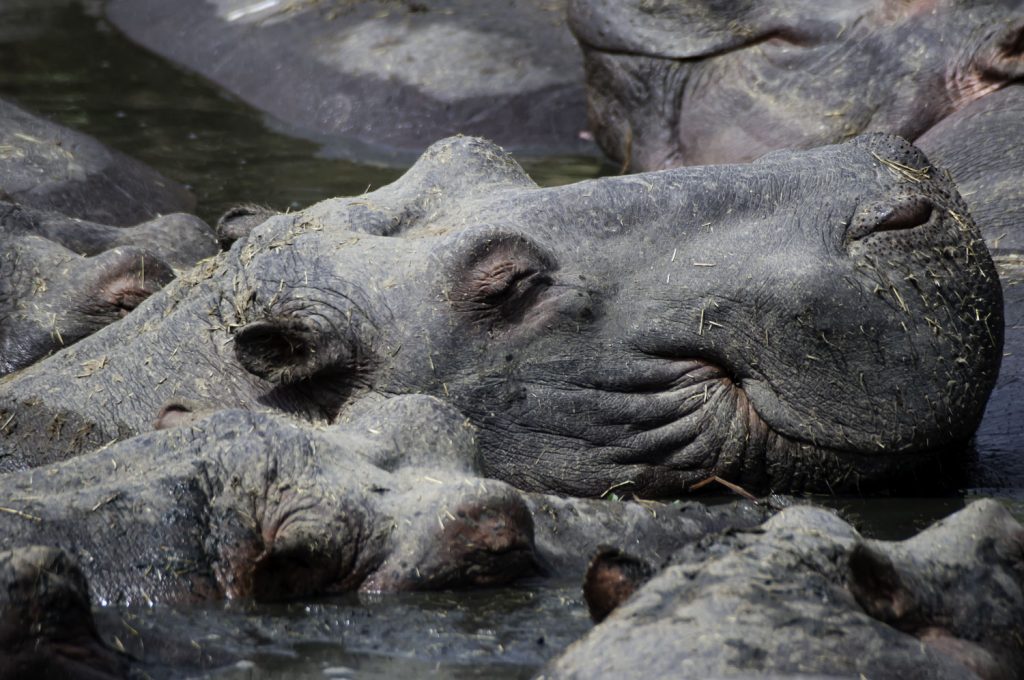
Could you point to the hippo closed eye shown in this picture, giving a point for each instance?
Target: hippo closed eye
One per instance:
(825, 319)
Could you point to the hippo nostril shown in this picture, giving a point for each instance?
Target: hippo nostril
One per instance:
(906, 216)
(899, 216)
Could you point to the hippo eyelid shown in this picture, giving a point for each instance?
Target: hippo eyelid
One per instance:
(499, 276)
(494, 261)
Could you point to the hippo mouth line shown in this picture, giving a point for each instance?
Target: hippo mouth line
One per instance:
(638, 52)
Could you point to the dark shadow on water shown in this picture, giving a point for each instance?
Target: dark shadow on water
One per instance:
(498, 633)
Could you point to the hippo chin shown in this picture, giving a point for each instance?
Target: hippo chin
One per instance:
(818, 320)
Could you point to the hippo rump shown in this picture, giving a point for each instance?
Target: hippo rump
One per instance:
(691, 82)
(817, 320)
(379, 80)
(805, 595)
(47, 167)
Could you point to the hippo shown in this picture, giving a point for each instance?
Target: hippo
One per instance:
(691, 82)
(248, 505)
(62, 278)
(380, 80)
(82, 236)
(819, 320)
(47, 167)
(805, 595)
(51, 297)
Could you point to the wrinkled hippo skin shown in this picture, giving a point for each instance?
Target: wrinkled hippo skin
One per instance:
(379, 80)
(805, 594)
(49, 167)
(690, 82)
(814, 320)
(253, 505)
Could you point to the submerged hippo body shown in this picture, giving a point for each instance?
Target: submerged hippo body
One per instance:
(691, 82)
(812, 320)
(47, 167)
(381, 80)
(805, 595)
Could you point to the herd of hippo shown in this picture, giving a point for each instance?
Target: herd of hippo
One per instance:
(436, 384)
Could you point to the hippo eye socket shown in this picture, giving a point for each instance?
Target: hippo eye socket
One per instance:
(504, 281)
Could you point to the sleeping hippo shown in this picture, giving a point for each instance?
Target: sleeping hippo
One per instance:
(691, 82)
(687, 82)
(805, 595)
(69, 262)
(250, 506)
(817, 320)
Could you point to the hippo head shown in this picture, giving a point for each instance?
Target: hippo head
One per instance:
(823, 319)
(686, 82)
(51, 297)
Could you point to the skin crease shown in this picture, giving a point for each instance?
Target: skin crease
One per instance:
(587, 331)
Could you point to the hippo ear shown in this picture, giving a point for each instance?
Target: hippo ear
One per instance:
(878, 588)
(117, 281)
(239, 221)
(1001, 59)
(612, 576)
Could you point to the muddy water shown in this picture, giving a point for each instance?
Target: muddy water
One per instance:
(60, 59)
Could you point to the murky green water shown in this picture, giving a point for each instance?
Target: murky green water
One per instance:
(57, 60)
(62, 61)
